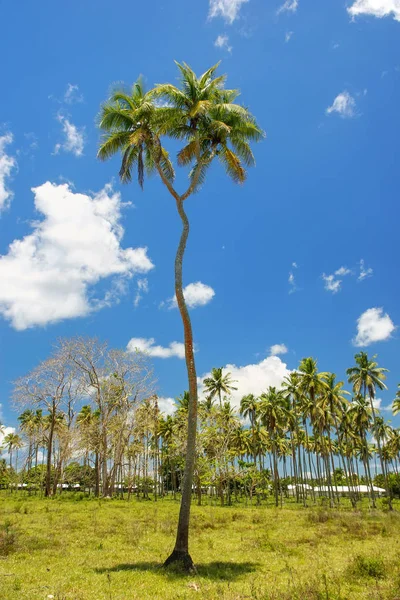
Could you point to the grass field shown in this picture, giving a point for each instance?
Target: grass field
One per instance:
(70, 549)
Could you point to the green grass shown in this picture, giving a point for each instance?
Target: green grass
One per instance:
(74, 549)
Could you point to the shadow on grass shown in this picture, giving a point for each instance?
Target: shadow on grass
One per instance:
(223, 571)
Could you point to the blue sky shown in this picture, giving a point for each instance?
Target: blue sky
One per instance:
(267, 261)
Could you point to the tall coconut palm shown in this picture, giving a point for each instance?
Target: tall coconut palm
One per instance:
(27, 421)
(12, 441)
(219, 384)
(333, 400)
(206, 118)
(249, 406)
(366, 377)
(273, 412)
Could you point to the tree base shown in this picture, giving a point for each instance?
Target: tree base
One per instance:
(182, 560)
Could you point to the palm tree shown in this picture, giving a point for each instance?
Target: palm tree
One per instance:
(204, 115)
(396, 402)
(27, 421)
(13, 441)
(248, 408)
(366, 377)
(273, 413)
(332, 401)
(218, 383)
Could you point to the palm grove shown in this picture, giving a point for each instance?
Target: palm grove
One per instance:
(91, 421)
(118, 438)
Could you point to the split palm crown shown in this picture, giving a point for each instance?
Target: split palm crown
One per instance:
(199, 112)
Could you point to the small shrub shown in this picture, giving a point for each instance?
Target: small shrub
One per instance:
(319, 516)
(365, 566)
(8, 539)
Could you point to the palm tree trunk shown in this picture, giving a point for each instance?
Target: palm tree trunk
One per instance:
(181, 550)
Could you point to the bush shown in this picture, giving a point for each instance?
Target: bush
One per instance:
(364, 566)
(7, 539)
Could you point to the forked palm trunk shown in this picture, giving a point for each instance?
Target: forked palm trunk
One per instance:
(180, 554)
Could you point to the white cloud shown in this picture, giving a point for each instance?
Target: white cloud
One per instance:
(373, 326)
(74, 138)
(253, 379)
(50, 273)
(72, 95)
(344, 105)
(149, 346)
(196, 294)
(142, 288)
(377, 402)
(342, 272)
(292, 282)
(364, 273)
(288, 6)
(288, 36)
(222, 41)
(227, 9)
(7, 163)
(331, 284)
(278, 349)
(166, 405)
(376, 8)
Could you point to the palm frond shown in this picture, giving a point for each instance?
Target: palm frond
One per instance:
(243, 150)
(187, 154)
(113, 117)
(232, 164)
(112, 144)
(129, 158)
(203, 79)
(166, 165)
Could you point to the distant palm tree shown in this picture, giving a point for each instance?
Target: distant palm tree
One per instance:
(27, 421)
(219, 384)
(13, 441)
(396, 402)
(273, 414)
(249, 406)
(366, 376)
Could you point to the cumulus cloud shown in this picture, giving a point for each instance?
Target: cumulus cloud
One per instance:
(227, 9)
(253, 378)
(74, 139)
(344, 105)
(142, 288)
(373, 326)
(72, 94)
(288, 6)
(51, 272)
(288, 35)
(149, 346)
(7, 163)
(364, 272)
(222, 41)
(166, 405)
(278, 349)
(196, 294)
(375, 8)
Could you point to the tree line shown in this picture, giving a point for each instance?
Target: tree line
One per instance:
(91, 419)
